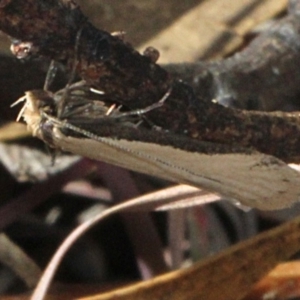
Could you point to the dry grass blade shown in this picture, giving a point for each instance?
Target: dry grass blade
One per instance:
(175, 197)
(226, 276)
(134, 204)
(13, 257)
(233, 268)
(152, 200)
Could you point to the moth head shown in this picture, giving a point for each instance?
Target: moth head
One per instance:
(36, 102)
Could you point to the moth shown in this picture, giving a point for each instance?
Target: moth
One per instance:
(87, 128)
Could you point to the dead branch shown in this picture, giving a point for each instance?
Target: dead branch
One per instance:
(57, 29)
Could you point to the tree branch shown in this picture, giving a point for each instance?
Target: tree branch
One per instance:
(58, 29)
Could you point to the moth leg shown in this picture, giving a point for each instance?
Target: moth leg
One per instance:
(53, 153)
(114, 112)
(62, 103)
(50, 75)
(142, 111)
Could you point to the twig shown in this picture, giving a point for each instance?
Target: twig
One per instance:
(126, 77)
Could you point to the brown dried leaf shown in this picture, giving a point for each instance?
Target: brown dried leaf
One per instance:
(281, 283)
(226, 276)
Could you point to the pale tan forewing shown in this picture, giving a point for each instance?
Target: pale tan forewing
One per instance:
(256, 180)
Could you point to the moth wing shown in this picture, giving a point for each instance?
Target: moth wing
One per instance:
(256, 180)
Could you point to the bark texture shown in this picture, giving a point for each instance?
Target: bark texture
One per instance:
(58, 30)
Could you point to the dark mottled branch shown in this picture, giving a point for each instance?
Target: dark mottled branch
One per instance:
(57, 29)
(53, 28)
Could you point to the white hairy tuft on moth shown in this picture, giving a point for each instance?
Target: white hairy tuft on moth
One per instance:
(31, 111)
